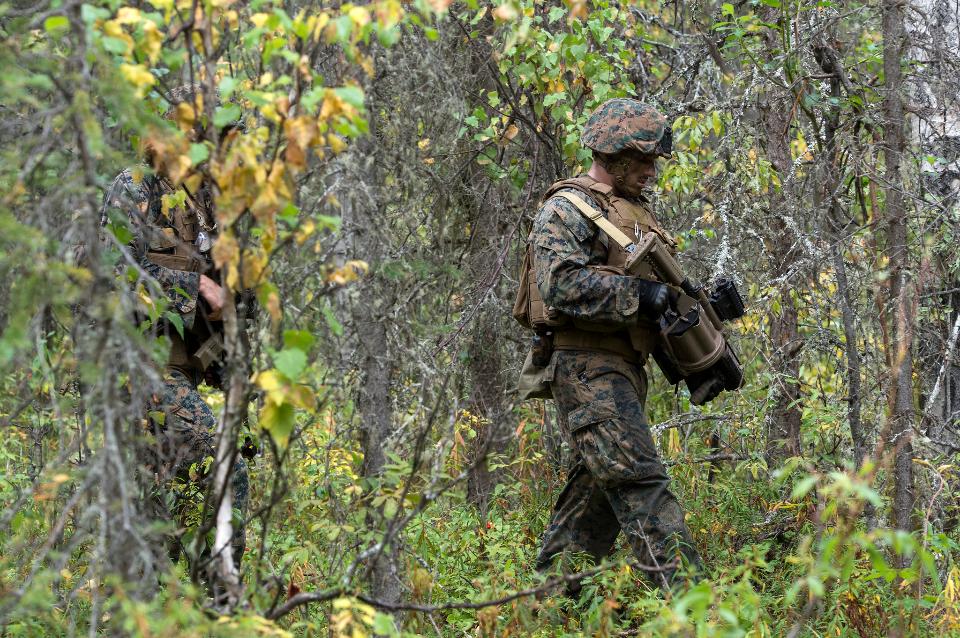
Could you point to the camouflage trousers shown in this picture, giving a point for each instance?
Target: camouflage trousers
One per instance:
(616, 480)
(184, 455)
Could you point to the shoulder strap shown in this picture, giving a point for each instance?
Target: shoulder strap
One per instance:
(597, 218)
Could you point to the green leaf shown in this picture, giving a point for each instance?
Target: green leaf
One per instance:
(298, 339)
(56, 23)
(803, 486)
(290, 214)
(114, 45)
(816, 586)
(726, 9)
(198, 153)
(335, 327)
(121, 232)
(389, 37)
(226, 114)
(176, 321)
(227, 86)
(352, 95)
(553, 98)
(278, 420)
(291, 362)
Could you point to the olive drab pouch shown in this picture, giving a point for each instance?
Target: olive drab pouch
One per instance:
(529, 309)
(534, 381)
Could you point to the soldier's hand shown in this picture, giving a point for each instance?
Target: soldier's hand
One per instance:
(212, 293)
(654, 297)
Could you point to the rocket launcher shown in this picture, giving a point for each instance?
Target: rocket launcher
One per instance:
(693, 346)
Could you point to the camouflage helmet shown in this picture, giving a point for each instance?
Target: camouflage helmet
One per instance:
(622, 124)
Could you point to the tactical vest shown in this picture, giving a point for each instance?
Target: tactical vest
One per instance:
(174, 247)
(631, 218)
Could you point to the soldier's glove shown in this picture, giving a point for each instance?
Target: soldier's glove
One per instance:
(249, 449)
(655, 298)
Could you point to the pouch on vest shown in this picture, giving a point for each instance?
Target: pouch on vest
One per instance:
(529, 309)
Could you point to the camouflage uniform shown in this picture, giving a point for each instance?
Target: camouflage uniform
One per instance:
(616, 480)
(180, 419)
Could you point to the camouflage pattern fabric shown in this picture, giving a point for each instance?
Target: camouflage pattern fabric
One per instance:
(136, 197)
(621, 124)
(565, 245)
(184, 442)
(616, 480)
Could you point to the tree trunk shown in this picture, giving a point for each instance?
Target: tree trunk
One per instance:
(901, 386)
(363, 216)
(485, 363)
(783, 431)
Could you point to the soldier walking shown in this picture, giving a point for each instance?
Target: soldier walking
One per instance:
(603, 325)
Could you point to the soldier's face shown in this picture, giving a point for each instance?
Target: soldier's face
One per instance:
(635, 173)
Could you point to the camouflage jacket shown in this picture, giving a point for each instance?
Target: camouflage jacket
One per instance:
(568, 250)
(139, 199)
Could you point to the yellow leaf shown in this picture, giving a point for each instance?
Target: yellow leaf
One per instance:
(424, 144)
(303, 233)
(113, 29)
(128, 15)
(336, 143)
(389, 13)
(350, 271)
(295, 156)
(322, 21)
(273, 307)
(185, 115)
(226, 253)
(302, 396)
(332, 106)
(153, 40)
(359, 16)
(254, 268)
(301, 130)
(270, 382)
(259, 19)
(138, 76)
(270, 112)
(178, 168)
(145, 298)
